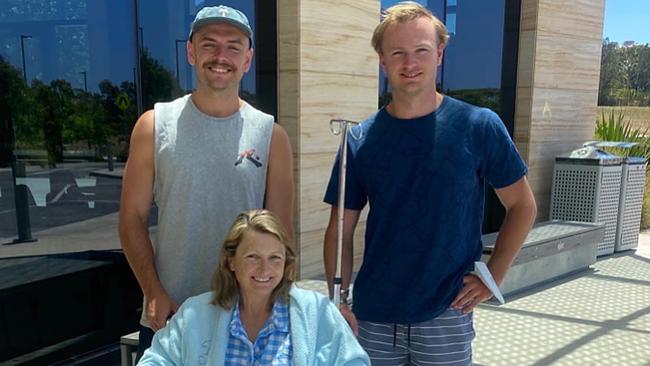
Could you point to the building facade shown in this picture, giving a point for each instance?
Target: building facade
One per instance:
(75, 74)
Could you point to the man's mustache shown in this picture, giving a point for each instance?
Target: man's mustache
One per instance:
(219, 63)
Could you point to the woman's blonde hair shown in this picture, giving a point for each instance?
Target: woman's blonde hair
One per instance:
(224, 283)
(404, 12)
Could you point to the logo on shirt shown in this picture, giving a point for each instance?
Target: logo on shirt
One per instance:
(250, 156)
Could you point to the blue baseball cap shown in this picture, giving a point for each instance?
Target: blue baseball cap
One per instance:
(222, 14)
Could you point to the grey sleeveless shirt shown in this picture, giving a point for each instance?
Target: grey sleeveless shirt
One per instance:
(207, 170)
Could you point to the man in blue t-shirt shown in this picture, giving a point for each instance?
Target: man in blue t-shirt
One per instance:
(421, 164)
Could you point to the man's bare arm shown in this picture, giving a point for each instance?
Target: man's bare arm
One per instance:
(521, 210)
(279, 179)
(135, 203)
(350, 220)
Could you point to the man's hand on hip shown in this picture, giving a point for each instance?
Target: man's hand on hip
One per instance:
(473, 293)
(160, 308)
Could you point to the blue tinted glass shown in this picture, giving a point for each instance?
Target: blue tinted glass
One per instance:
(164, 29)
(70, 70)
(388, 3)
(57, 37)
(74, 77)
(473, 58)
(71, 91)
(472, 66)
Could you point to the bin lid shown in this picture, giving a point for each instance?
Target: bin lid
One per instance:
(618, 144)
(590, 155)
(633, 160)
(630, 160)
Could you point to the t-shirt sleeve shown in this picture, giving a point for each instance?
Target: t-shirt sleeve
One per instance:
(355, 196)
(502, 164)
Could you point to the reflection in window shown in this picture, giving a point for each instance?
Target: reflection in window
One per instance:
(73, 54)
(42, 10)
(479, 65)
(451, 22)
(472, 65)
(165, 70)
(67, 110)
(72, 78)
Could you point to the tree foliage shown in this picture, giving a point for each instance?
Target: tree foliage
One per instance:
(158, 83)
(12, 95)
(55, 116)
(624, 75)
(615, 127)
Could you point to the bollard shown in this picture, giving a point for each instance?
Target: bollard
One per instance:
(21, 201)
(111, 165)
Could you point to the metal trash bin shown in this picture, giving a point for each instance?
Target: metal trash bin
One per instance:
(586, 187)
(633, 175)
(630, 203)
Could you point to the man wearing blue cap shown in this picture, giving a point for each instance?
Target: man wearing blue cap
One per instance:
(202, 159)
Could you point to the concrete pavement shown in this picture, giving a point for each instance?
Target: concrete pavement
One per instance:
(597, 317)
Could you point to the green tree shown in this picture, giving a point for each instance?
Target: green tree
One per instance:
(87, 122)
(629, 73)
(486, 97)
(158, 83)
(610, 73)
(18, 126)
(54, 109)
(11, 87)
(644, 74)
(120, 122)
(624, 75)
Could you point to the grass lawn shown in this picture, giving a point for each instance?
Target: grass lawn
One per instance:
(640, 116)
(645, 213)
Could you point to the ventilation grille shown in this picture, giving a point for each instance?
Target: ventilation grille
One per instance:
(632, 202)
(588, 194)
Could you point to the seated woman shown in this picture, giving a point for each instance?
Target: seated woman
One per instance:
(255, 315)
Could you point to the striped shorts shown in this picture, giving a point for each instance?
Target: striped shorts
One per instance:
(445, 340)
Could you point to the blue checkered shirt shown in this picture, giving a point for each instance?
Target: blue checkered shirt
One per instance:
(272, 345)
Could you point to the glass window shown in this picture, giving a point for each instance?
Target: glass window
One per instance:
(71, 106)
(74, 77)
(472, 63)
(164, 29)
(479, 66)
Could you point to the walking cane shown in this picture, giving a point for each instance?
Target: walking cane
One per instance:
(340, 127)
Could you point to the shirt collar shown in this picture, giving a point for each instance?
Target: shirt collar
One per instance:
(279, 320)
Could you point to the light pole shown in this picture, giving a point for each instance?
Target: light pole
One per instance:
(22, 52)
(84, 73)
(178, 79)
(21, 195)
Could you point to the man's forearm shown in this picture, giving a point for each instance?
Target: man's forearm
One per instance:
(513, 232)
(329, 255)
(139, 253)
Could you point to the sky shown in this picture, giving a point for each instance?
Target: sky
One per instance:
(627, 20)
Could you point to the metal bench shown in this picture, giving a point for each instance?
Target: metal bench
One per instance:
(553, 249)
(129, 348)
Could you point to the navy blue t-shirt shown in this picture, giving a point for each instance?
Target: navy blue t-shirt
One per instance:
(423, 179)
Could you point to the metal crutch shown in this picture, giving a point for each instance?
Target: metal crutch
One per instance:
(340, 127)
